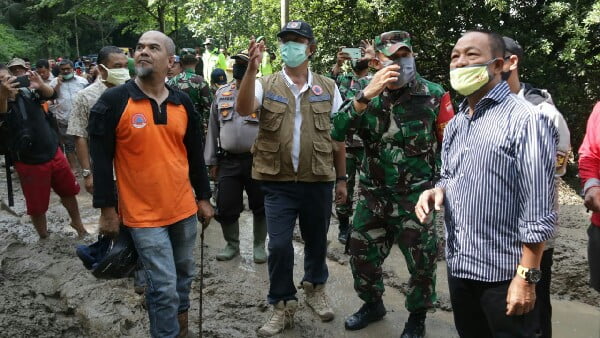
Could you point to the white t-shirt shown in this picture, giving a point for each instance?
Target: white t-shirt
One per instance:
(66, 96)
(335, 107)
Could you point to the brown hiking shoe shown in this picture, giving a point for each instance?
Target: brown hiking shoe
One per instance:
(317, 300)
(182, 318)
(281, 318)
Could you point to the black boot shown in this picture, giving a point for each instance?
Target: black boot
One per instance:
(368, 313)
(344, 229)
(414, 326)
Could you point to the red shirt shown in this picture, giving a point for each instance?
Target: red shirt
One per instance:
(589, 154)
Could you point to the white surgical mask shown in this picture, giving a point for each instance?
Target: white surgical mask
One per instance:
(116, 76)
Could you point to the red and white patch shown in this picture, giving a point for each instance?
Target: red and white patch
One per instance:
(138, 121)
(317, 90)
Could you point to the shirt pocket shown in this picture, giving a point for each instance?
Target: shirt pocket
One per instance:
(418, 137)
(272, 115)
(321, 114)
(322, 159)
(266, 157)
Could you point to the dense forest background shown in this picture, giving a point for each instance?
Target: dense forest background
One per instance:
(561, 38)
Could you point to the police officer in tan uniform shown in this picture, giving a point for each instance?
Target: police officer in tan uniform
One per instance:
(294, 158)
(227, 152)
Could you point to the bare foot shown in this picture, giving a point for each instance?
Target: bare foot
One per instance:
(81, 232)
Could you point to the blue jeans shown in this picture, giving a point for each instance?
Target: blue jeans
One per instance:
(167, 255)
(284, 203)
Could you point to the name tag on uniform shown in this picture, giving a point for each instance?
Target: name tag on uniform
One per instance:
(226, 98)
(319, 98)
(275, 97)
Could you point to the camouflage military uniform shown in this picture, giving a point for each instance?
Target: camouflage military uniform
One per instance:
(349, 86)
(399, 133)
(197, 88)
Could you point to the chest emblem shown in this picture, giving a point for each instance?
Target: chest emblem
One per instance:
(225, 105)
(227, 93)
(225, 113)
(317, 90)
(138, 121)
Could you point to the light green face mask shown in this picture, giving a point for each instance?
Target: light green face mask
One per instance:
(467, 80)
(293, 53)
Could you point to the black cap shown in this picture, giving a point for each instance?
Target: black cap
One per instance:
(512, 48)
(297, 27)
(218, 76)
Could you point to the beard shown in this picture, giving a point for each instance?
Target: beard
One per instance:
(144, 72)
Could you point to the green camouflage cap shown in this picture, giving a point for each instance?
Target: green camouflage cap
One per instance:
(388, 43)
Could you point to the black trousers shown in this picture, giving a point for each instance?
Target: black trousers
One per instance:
(235, 175)
(285, 202)
(480, 310)
(543, 307)
(594, 256)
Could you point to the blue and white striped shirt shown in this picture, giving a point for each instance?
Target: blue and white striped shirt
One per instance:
(498, 176)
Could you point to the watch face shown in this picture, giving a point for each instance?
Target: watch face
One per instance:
(534, 275)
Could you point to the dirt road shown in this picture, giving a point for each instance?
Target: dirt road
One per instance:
(46, 292)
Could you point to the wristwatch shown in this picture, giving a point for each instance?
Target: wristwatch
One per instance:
(531, 275)
(342, 178)
(86, 173)
(360, 97)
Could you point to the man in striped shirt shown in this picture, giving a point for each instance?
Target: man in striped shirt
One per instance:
(497, 187)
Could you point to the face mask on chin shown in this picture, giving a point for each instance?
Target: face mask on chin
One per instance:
(67, 77)
(469, 79)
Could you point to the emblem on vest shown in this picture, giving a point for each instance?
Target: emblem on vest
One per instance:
(138, 121)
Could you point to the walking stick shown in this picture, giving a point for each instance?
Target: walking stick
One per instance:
(201, 273)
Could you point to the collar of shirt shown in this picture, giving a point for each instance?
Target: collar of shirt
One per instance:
(292, 86)
(494, 96)
(137, 94)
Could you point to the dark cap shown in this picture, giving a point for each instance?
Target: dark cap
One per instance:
(218, 76)
(297, 27)
(512, 48)
(388, 43)
(243, 55)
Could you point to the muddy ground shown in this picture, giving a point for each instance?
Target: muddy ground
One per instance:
(46, 291)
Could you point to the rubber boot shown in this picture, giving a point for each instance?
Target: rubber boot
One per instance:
(231, 233)
(260, 235)
(344, 229)
(415, 326)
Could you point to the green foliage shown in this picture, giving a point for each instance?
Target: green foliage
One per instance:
(560, 38)
(11, 45)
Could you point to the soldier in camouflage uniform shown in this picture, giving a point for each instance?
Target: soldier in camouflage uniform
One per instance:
(350, 84)
(400, 118)
(195, 86)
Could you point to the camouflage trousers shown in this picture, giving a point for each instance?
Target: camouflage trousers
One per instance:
(354, 157)
(380, 221)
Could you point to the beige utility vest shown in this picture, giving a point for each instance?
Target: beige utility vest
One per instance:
(272, 149)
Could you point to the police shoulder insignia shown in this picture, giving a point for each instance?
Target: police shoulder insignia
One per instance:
(253, 115)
